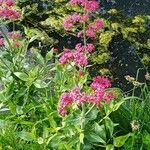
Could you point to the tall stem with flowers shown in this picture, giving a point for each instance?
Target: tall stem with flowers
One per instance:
(80, 57)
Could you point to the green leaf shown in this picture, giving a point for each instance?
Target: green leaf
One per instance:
(116, 106)
(26, 136)
(109, 125)
(40, 84)
(93, 114)
(19, 110)
(53, 122)
(100, 130)
(93, 137)
(39, 57)
(2, 123)
(110, 147)
(22, 76)
(120, 141)
(40, 140)
(49, 55)
(81, 138)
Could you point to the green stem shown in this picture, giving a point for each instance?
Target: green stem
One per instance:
(90, 110)
(132, 144)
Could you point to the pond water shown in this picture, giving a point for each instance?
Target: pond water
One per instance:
(124, 58)
(128, 7)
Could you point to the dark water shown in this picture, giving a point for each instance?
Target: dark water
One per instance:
(128, 7)
(124, 58)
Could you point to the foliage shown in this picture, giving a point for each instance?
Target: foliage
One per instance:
(35, 88)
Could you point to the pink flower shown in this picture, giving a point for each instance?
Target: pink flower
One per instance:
(9, 2)
(108, 97)
(91, 6)
(14, 35)
(75, 2)
(75, 18)
(18, 35)
(91, 33)
(80, 59)
(66, 56)
(84, 18)
(81, 73)
(79, 47)
(100, 82)
(90, 47)
(65, 101)
(9, 13)
(68, 23)
(80, 34)
(77, 96)
(55, 50)
(16, 45)
(2, 42)
(99, 24)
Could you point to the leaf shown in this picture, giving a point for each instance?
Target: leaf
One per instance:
(49, 55)
(22, 76)
(93, 137)
(109, 125)
(19, 110)
(93, 114)
(26, 136)
(33, 38)
(100, 130)
(109, 147)
(53, 122)
(81, 138)
(120, 141)
(116, 106)
(2, 123)
(40, 140)
(39, 58)
(40, 84)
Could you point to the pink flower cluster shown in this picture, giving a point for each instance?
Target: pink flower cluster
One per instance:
(75, 18)
(97, 95)
(88, 5)
(14, 38)
(88, 48)
(92, 29)
(14, 35)
(2, 42)
(7, 2)
(78, 55)
(7, 10)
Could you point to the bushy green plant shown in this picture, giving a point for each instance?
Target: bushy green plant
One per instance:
(51, 102)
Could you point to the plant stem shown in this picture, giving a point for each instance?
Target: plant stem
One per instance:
(132, 144)
(89, 110)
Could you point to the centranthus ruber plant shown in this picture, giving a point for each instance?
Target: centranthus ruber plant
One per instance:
(9, 13)
(8, 10)
(79, 56)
